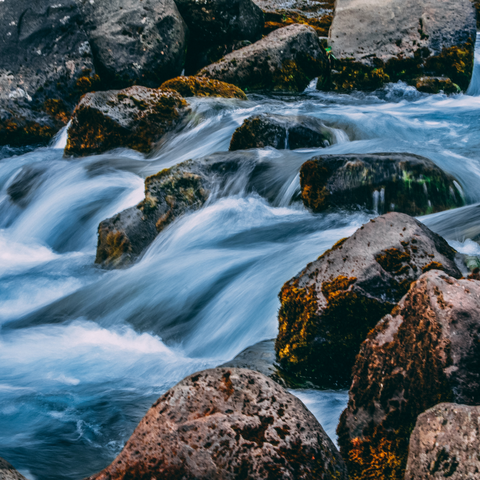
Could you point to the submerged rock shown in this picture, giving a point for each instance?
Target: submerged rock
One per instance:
(445, 444)
(328, 308)
(379, 181)
(135, 42)
(402, 40)
(286, 60)
(46, 65)
(281, 132)
(425, 352)
(436, 85)
(135, 117)
(227, 423)
(203, 87)
(7, 472)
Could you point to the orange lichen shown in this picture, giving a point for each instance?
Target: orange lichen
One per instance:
(313, 178)
(203, 87)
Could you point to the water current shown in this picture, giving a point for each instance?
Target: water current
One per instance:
(84, 352)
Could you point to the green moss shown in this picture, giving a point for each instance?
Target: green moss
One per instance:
(283, 18)
(203, 87)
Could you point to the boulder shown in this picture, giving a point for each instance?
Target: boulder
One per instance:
(286, 60)
(327, 309)
(436, 85)
(135, 117)
(135, 42)
(379, 181)
(377, 42)
(203, 87)
(7, 472)
(227, 424)
(445, 444)
(45, 66)
(427, 351)
(282, 132)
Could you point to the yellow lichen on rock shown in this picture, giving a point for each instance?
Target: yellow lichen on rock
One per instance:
(203, 87)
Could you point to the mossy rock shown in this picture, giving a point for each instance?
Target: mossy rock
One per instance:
(436, 85)
(203, 87)
(136, 118)
(425, 352)
(328, 309)
(400, 182)
(282, 18)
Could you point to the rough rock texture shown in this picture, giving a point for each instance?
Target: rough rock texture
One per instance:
(135, 117)
(45, 66)
(445, 444)
(328, 308)
(281, 132)
(436, 85)
(7, 472)
(426, 352)
(135, 42)
(203, 87)
(286, 60)
(380, 181)
(227, 424)
(377, 42)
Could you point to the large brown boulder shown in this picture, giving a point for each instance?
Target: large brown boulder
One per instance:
(376, 41)
(286, 60)
(328, 309)
(203, 87)
(401, 182)
(135, 117)
(7, 472)
(427, 351)
(227, 424)
(445, 444)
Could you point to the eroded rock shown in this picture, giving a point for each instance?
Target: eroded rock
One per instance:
(427, 351)
(286, 60)
(328, 308)
(227, 423)
(203, 87)
(281, 132)
(379, 181)
(445, 444)
(377, 42)
(7, 472)
(135, 117)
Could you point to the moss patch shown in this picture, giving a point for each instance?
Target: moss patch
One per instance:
(283, 18)
(203, 87)
(313, 179)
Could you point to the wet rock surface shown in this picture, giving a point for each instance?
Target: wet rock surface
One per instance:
(377, 42)
(203, 87)
(281, 132)
(425, 352)
(328, 308)
(286, 60)
(436, 85)
(135, 117)
(7, 472)
(445, 444)
(227, 423)
(135, 42)
(379, 181)
(46, 65)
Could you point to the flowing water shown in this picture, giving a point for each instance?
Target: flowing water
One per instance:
(84, 352)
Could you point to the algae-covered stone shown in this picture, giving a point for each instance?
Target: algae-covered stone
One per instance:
(135, 42)
(7, 472)
(376, 42)
(281, 132)
(203, 87)
(425, 352)
(400, 182)
(445, 444)
(135, 117)
(436, 85)
(327, 309)
(286, 60)
(227, 423)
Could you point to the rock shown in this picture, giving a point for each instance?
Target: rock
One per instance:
(7, 472)
(445, 444)
(436, 85)
(227, 424)
(46, 65)
(135, 117)
(328, 308)
(203, 87)
(135, 42)
(277, 131)
(379, 181)
(427, 351)
(286, 60)
(376, 42)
